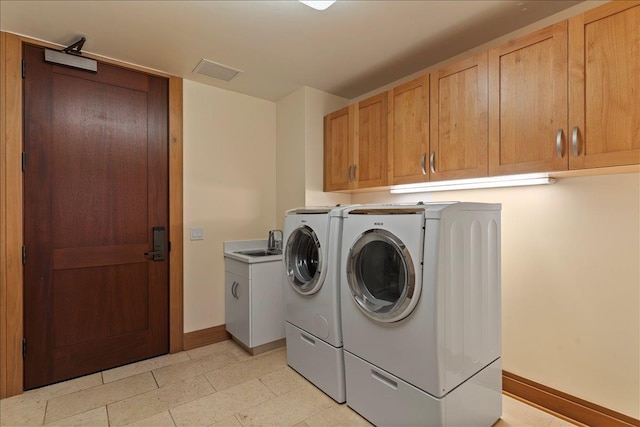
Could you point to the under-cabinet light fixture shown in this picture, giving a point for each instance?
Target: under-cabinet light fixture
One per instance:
(318, 5)
(473, 183)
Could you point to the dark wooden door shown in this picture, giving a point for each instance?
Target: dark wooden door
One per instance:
(95, 185)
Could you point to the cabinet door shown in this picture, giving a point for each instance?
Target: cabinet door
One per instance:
(604, 86)
(338, 150)
(237, 307)
(267, 309)
(459, 120)
(371, 142)
(528, 103)
(409, 131)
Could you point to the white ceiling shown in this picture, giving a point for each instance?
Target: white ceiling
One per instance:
(347, 50)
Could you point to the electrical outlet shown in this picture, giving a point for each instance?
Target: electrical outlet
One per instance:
(197, 233)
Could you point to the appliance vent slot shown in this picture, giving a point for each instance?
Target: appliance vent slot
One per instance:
(215, 70)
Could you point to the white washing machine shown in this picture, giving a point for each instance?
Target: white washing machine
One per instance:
(312, 238)
(420, 293)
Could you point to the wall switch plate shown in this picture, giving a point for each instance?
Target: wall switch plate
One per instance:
(197, 233)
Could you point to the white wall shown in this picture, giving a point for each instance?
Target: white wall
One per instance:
(229, 188)
(290, 153)
(570, 283)
(299, 155)
(237, 151)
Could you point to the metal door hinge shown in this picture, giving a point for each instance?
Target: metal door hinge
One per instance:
(24, 348)
(24, 161)
(24, 255)
(24, 68)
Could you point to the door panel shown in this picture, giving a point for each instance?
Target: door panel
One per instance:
(102, 158)
(371, 142)
(459, 120)
(338, 150)
(409, 131)
(237, 307)
(96, 183)
(120, 294)
(528, 102)
(604, 86)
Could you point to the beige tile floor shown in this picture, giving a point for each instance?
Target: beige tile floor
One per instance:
(216, 385)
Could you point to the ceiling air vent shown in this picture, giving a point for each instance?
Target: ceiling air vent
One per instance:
(215, 70)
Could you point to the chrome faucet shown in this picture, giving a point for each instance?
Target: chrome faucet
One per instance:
(275, 243)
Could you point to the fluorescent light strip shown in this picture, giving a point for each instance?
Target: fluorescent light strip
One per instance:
(473, 183)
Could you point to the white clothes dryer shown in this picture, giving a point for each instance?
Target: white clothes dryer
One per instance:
(313, 328)
(420, 291)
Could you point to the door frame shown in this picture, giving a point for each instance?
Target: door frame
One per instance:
(11, 209)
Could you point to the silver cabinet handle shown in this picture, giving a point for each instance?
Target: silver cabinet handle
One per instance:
(355, 168)
(351, 174)
(234, 289)
(559, 144)
(423, 161)
(574, 142)
(432, 162)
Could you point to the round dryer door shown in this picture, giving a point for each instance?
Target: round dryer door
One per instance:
(381, 276)
(303, 261)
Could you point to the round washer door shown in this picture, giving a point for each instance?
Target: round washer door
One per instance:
(303, 261)
(381, 276)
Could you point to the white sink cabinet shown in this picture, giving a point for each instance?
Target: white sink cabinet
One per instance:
(254, 309)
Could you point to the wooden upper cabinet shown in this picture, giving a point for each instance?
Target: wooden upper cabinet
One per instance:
(459, 120)
(338, 150)
(604, 86)
(355, 146)
(528, 103)
(370, 142)
(409, 132)
(564, 97)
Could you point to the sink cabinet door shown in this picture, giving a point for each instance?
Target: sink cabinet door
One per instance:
(268, 305)
(237, 307)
